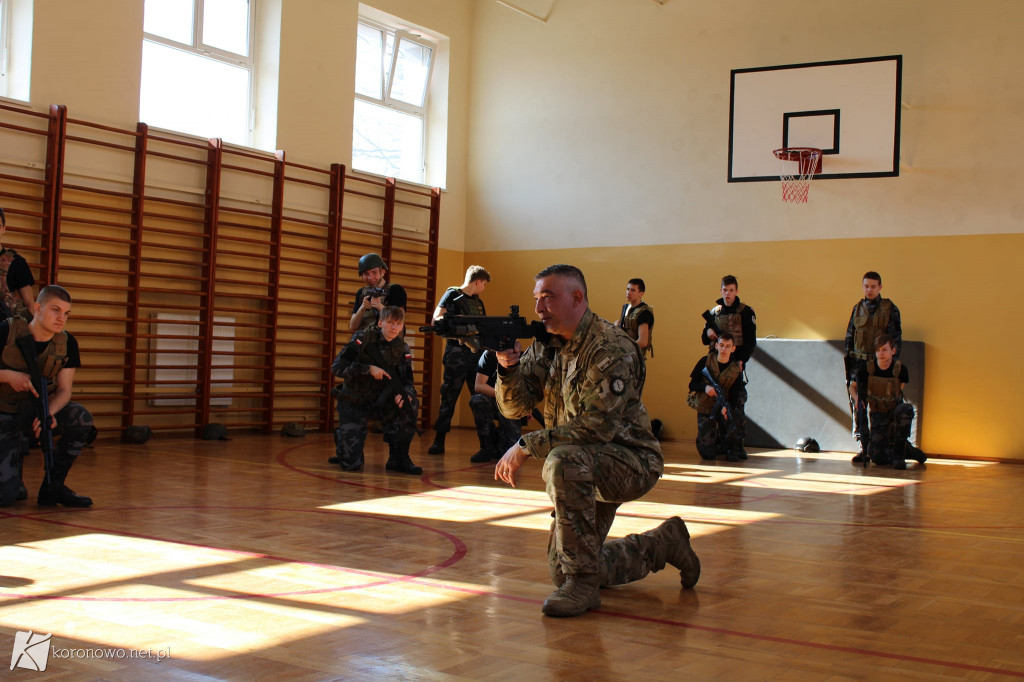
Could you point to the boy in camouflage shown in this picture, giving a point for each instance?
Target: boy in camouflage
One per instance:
(596, 445)
(716, 434)
(369, 389)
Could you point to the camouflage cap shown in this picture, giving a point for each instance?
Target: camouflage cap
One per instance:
(293, 429)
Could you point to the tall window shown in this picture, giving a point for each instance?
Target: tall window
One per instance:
(197, 67)
(390, 118)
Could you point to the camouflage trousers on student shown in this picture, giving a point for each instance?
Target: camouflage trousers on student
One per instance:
(74, 426)
(889, 429)
(586, 484)
(459, 368)
(714, 433)
(350, 437)
(498, 438)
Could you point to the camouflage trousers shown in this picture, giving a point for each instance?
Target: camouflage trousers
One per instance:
(586, 484)
(74, 426)
(714, 435)
(350, 437)
(485, 413)
(888, 429)
(459, 368)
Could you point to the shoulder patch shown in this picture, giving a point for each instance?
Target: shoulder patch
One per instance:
(617, 385)
(604, 362)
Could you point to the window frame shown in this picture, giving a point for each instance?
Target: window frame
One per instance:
(386, 101)
(5, 43)
(200, 49)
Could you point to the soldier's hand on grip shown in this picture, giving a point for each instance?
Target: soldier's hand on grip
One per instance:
(509, 358)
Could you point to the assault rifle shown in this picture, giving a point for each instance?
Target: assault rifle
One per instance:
(492, 332)
(374, 292)
(710, 319)
(395, 385)
(27, 345)
(720, 398)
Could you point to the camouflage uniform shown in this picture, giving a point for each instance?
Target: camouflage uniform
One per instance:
(891, 417)
(11, 303)
(597, 447)
(362, 396)
(459, 360)
(715, 435)
(17, 411)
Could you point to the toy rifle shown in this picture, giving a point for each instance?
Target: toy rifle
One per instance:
(27, 345)
(720, 399)
(491, 332)
(395, 384)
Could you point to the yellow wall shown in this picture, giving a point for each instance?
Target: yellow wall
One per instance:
(947, 289)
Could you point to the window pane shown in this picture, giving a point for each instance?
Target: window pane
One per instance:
(368, 61)
(411, 70)
(192, 94)
(387, 142)
(226, 25)
(171, 19)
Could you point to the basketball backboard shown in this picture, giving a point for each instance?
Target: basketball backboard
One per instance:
(849, 109)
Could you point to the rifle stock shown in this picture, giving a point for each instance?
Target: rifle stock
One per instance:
(491, 332)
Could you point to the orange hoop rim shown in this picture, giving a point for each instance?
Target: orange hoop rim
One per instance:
(807, 158)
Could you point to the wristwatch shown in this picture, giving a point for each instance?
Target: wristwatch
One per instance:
(522, 443)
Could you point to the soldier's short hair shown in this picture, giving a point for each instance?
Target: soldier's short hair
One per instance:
(475, 273)
(727, 336)
(730, 279)
(884, 339)
(639, 283)
(53, 291)
(871, 274)
(563, 270)
(392, 312)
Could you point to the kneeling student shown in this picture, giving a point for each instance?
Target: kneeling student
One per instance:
(717, 434)
(880, 383)
(369, 364)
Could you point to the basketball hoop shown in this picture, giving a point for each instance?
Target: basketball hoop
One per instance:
(797, 165)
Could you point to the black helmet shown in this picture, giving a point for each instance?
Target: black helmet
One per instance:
(807, 444)
(215, 431)
(371, 261)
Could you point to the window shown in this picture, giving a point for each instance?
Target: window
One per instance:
(15, 48)
(197, 67)
(393, 69)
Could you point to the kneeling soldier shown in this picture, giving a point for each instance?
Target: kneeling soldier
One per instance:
(880, 383)
(56, 357)
(720, 428)
(376, 365)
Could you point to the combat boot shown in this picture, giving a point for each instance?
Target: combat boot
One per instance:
(337, 448)
(61, 494)
(437, 447)
(577, 595)
(914, 453)
(674, 540)
(485, 455)
(896, 457)
(399, 461)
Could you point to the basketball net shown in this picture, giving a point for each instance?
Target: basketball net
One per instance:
(797, 165)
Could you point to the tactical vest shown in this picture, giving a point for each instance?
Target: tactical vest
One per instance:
(371, 316)
(724, 378)
(365, 387)
(631, 325)
(731, 322)
(464, 305)
(868, 327)
(11, 300)
(884, 393)
(51, 361)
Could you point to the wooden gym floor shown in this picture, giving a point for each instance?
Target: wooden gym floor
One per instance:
(253, 559)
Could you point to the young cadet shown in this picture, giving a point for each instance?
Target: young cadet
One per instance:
(736, 317)
(637, 318)
(719, 431)
(880, 383)
(366, 309)
(56, 353)
(494, 440)
(16, 280)
(376, 365)
(870, 318)
(460, 357)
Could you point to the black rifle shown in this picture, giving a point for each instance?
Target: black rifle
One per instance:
(720, 399)
(492, 332)
(374, 292)
(395, 384)
(710, 319)
(27, 345)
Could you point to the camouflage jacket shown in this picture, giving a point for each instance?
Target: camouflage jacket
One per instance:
(353, 365)
(589, 389)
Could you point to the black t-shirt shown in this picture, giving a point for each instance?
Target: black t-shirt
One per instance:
(488, 366)
(74, 359)
(19, 275)
(396, 296)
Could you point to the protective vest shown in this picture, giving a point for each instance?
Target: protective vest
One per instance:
(11, 300)
(724, 378)
(631, 325)
(884, 393)
(464, 305)
(868, 327)
(371, 316)
(364, 387)
(51, 361)
(731, 322)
